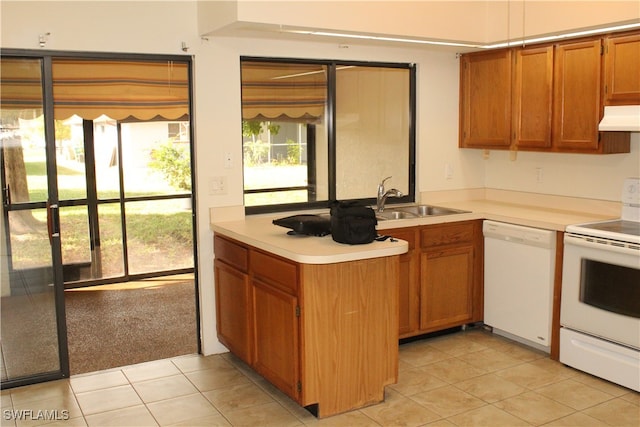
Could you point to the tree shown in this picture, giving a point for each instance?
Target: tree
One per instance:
(174, 162)
(255, 149)
(16, 172)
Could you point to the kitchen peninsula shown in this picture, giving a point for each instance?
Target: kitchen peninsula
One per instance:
(316, 318)
(321, 320)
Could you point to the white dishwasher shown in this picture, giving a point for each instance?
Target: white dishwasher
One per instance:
(519, 267)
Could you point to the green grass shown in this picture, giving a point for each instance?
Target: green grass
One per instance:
(159, 233)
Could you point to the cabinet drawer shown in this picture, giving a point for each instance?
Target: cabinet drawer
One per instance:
(275, 271)
(449, 234)
(232, 253)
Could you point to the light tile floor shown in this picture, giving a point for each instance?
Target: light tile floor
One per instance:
(470, 378)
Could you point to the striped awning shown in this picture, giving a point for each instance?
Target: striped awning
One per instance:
(120, 89)
(90, 88)
(283, 91)
(21, 84)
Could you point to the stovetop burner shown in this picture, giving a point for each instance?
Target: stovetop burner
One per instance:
(619, 230)
(627, 228)
(617, 226)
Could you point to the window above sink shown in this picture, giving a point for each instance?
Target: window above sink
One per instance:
(319, 131)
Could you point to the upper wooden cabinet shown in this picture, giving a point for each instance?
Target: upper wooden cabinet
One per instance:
(533, 97)
(485, 92)
(577, 106)
(622, 70)
(547, 97)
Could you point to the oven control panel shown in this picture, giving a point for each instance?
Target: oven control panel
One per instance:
(631, 200)
(631, 191)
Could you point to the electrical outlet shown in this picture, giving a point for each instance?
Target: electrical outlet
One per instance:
(448, 171)
(539, 175)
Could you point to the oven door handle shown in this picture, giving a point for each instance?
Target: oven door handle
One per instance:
(594, 243)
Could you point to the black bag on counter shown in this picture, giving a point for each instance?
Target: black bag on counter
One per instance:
(306, 224)
(352, 223)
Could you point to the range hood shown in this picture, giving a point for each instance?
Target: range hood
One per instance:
(621, 118)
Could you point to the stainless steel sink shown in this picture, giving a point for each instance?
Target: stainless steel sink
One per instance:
(394, 214)
(429, 210)
(416, 211)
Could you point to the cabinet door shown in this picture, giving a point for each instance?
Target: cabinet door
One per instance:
(276, 348)
(533, 97)
(577, 95)
(409, 289)
(233, 302)
(485, 104)
(622, 70)
(446, 290)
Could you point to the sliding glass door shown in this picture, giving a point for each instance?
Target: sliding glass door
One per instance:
(33, 339)
(96, 179)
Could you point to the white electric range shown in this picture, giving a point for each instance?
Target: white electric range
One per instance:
(600, 308)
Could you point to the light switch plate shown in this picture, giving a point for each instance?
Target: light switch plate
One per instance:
(218, 185)
(228, 160)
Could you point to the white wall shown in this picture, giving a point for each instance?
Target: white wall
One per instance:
(160, 27)
(577, 175)
(476, 21)
(99, 26)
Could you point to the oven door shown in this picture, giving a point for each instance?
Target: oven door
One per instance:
(601, 290)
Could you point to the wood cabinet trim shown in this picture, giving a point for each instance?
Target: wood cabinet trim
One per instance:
(350, 309)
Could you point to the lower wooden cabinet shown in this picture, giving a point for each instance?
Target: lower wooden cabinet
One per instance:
(409, 288)
(324, 334)
(446, 288)
(233, 318)
(276, 353)
(275, 328)
(441, 282)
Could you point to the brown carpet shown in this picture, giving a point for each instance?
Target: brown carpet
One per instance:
(29, 335)
(108, 328)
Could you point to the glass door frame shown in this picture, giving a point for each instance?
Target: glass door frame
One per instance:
(53, 204)
(53, 219)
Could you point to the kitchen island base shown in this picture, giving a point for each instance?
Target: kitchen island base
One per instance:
(324, 334)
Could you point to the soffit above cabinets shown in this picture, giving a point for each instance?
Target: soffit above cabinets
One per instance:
(467, 24)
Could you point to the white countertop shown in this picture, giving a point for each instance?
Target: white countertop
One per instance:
(258, 230)
(514, 213)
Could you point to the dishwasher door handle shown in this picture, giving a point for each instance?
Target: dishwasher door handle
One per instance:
(514, 239)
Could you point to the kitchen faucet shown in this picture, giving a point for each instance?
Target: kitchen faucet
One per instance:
(382, 195)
